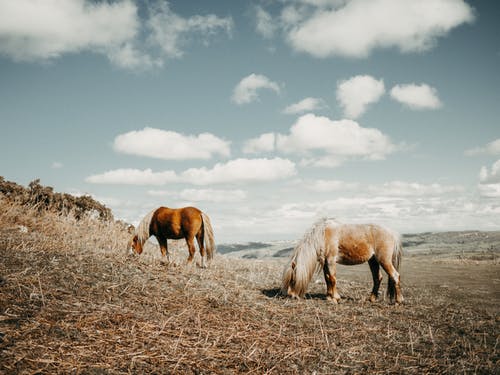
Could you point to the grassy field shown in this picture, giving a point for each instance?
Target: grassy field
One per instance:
(73, 301)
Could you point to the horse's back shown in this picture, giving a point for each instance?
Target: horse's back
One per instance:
(177, 222)
(356, 243)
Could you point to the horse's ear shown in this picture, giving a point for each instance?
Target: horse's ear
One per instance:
(293, 265)
(131, 229)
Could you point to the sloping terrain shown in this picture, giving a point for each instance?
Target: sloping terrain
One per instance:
(73, 301)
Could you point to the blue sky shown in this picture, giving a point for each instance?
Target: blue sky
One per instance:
(265, 114)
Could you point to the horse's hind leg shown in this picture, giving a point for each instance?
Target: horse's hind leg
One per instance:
(329, 270)
(199, 239)
(394, 286)
(377, 277)
(191, 248)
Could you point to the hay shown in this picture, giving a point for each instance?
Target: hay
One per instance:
(73, 301)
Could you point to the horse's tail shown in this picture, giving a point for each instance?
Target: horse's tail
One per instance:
(397, 255)
(305, 261)
(208, 236)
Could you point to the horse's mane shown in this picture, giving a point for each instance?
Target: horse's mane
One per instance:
(142, 231)
(307, 257)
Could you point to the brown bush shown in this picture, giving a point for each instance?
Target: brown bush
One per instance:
(43, 198)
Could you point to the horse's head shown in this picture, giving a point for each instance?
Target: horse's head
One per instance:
(135, 245)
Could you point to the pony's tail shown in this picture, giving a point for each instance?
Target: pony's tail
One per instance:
(397, 255)
(208, 236)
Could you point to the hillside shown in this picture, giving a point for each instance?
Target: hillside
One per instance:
(72, 300)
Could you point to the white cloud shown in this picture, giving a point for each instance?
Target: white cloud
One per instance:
(169, 145)
(388, 189)
(489, 190)
(492, 148)
(246, 91)
(356, 93)
(241, 170)
(264, 143)
(170, 31)
(234, 171)
(32, 30)
(413, 189)
(128, 176)
(212, 195)
(45, 30)
(490, 176)
(357, 27)
(57, 165)
(324, 186)
(203, 195)
(305, 105)
(416, 96)
(129, 56)
(338, 139)
(265, 25)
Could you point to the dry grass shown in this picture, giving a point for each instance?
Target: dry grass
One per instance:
(72, 301)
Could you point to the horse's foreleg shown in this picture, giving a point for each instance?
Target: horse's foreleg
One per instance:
(329, 270)
(394, 285)
(164, 248)
(377, 277)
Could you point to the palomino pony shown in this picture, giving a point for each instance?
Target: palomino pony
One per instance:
(170, 223)
(329, 242)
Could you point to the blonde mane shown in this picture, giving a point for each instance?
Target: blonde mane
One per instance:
(308, 256)
(142, 230)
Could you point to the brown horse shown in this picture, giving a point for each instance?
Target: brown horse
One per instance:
(170, 223)
(329, 242)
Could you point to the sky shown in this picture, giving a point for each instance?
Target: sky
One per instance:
(266, 115)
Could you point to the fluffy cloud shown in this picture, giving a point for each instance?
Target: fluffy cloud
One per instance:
(169, 145)
(169, 30)
(234, 171)
(416, 96)
(45, 30)
(492, 148)
(489, 190)
(490, 176)
(128, 176)
(241, 170)
(246, 91)
(413, 189)
(263, 143)
(388, 189)
(264, 23)
(203, 195)
(305, 105)
(357, 27)
(326, 186)
(338, 139)
(356, 93)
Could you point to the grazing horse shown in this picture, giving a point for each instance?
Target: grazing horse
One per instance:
(170, 223)
(329, 242)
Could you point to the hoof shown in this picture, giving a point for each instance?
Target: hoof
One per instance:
(333, 300)
(372, 298)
